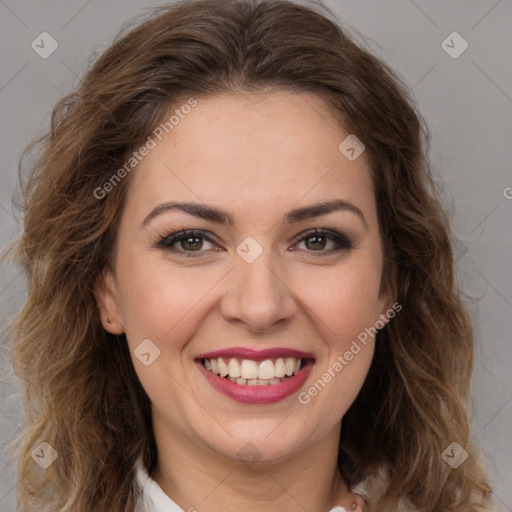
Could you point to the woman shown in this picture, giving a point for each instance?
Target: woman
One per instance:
(240, 281)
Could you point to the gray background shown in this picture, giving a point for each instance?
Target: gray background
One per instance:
(467, 102)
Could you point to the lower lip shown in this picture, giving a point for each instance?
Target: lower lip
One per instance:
(267, 394)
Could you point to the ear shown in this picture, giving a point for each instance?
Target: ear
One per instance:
(108, 304)
(387, 306)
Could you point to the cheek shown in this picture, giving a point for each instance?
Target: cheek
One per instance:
(158, 301)
(164, 306)
(345, 298)
(345, 304)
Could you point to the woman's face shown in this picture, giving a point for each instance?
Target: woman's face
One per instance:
(262, 281)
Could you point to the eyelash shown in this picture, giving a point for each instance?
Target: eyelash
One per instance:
(166, 242)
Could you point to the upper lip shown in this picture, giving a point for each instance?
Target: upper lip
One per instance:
(256, 355)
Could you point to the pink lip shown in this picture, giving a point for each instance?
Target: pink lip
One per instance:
(257, 394)
(256, 355)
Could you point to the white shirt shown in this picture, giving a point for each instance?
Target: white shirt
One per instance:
(155, 500)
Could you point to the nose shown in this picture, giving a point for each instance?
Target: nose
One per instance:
(258, 295)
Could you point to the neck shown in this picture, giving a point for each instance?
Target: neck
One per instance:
(197, 478)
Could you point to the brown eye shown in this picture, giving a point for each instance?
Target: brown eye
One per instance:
(193, 243)
(186, 242)
(317, 242)
(325, 241)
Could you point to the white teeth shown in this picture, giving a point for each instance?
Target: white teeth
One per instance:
(215, 366)
(223, 367)
(289, 365)
(257, 382)
(234, 368)
(266, 370)
(253, 373)
(280, 369)
(249, 369)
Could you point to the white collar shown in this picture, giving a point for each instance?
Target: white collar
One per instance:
(154, 498)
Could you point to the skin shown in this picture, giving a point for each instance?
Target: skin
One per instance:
(257, 157)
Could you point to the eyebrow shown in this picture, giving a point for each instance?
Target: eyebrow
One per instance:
(219, 216)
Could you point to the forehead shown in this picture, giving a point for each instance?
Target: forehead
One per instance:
(252, 150)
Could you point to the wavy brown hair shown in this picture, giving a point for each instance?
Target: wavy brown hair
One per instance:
(80, 390)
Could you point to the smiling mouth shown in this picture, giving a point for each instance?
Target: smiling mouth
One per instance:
(247, 372)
